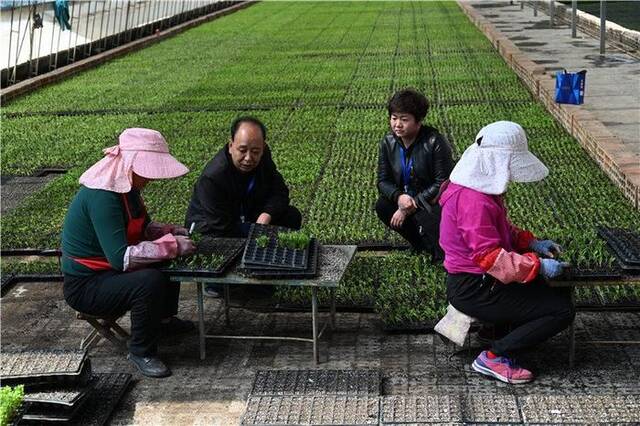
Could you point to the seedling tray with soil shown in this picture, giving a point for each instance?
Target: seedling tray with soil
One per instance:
(60, 410)
(213, 258)
(625, 243)
(265, 249)
(309, 272)
(40, 367)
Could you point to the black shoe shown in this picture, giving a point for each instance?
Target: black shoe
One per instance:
(176, 326)
(150, 366)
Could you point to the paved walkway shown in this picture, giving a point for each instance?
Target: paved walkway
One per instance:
(420, 381)
(613, 80)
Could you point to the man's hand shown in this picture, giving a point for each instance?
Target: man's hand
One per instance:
(264, 219)
(407, 204)
(398, 219)
(179, 230)
(185, 245)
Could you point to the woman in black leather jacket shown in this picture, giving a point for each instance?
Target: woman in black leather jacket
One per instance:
(414, 161)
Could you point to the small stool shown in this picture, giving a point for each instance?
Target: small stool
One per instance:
(103, 327)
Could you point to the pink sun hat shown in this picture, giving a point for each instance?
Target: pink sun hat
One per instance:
(141, 151)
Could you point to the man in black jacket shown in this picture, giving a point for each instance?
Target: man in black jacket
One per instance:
(240, 186)
(414, 161)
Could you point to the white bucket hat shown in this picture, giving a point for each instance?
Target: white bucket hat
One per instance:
(499, 155)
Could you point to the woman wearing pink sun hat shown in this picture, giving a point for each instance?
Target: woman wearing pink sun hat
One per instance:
(109, 242)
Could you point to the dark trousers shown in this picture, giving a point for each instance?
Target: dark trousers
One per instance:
(147, 293)
(421, 229)
(535, 312)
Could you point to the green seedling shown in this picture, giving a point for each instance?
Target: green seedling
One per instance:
(293, 240)
(262, 241)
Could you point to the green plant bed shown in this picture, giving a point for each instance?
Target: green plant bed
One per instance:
(20, 266)
(319, 75)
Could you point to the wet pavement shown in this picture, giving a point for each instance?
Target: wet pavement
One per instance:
(366, 376)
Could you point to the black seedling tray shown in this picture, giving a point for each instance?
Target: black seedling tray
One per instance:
(229, 248)
(625, 243)
(107, 392)
(273, 255)
(59, 397)
(310, 272)
(37, 367)
(50, 412)
(599, 274)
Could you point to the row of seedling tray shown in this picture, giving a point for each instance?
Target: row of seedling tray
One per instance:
(267, 252)
(59, 387)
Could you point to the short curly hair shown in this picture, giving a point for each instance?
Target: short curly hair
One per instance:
(409, 101)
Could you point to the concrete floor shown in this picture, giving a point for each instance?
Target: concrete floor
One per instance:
(603, 386)
(612, 91)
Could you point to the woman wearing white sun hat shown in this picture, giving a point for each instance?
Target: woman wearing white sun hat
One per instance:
(493, 267)
(109, 243)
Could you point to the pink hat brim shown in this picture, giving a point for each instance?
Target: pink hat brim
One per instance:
(156, 165)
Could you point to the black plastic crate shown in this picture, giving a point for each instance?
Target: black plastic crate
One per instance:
(309, 272)
(273, 255)
(228, 248)
(625, 243)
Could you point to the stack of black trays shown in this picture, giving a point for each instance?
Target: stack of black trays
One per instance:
(60, 387)
(274, 260)
(625, 244)
(227, 248)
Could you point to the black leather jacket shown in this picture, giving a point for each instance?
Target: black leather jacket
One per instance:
(432, 164)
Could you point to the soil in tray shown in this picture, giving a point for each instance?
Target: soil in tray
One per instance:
(272, 254)
(213, 256)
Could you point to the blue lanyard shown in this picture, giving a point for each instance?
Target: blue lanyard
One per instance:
(406, 168)
(252, 184)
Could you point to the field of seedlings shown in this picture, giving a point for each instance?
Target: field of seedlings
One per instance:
(318, 74)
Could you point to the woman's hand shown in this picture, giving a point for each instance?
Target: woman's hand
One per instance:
(398, 219)
(407, 204)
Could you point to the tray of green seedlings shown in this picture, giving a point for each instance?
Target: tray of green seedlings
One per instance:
(274, 247)
(213, 258)
(625, 243)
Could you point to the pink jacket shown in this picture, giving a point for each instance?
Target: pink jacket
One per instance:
(478, 238)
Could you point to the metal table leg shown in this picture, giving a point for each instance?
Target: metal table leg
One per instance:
(314, 322)
(572, 332)
(333, 308)
(200, 287)
(226, 305)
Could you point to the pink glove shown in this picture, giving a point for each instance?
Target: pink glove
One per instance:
(185, 245)
(148, 252)
(156, 230)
